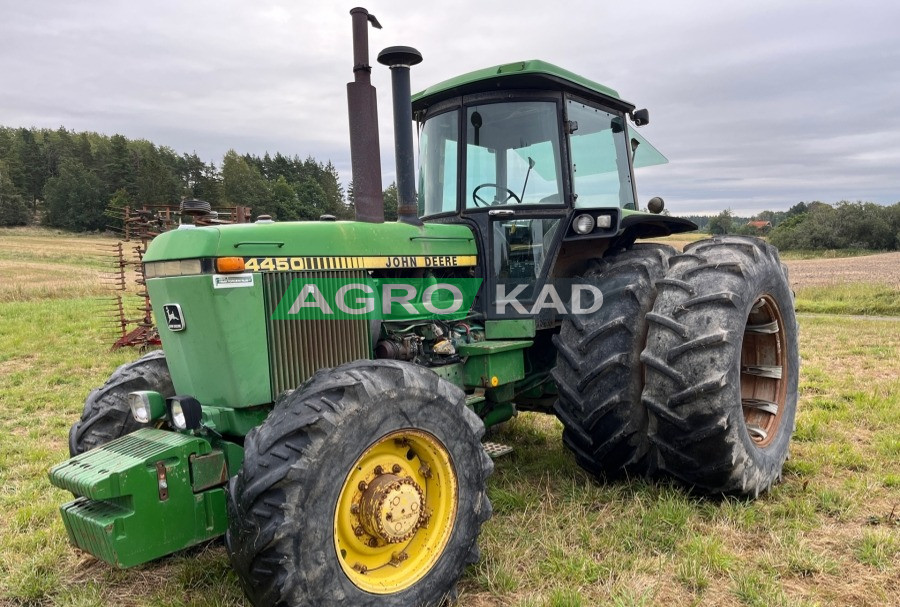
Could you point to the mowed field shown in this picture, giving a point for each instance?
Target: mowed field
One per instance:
(828, 534)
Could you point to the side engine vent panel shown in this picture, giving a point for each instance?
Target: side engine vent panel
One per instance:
(299, 348)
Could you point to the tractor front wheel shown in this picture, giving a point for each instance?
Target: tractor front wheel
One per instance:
(107, 415)
(364, 487)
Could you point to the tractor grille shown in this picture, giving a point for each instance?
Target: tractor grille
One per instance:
(299, 348)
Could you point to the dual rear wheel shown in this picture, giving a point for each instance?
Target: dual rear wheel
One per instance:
(696, 376)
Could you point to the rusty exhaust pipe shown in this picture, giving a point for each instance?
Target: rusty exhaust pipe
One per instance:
(365, 159)
(400, 59)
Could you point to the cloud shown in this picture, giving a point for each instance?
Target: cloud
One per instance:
(756, 104)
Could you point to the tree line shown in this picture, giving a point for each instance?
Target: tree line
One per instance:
(817, 225)
(71, 180)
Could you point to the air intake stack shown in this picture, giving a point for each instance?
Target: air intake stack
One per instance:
(399, 59)
(365, 152)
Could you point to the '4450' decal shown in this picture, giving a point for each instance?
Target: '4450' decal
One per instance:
(295, 264)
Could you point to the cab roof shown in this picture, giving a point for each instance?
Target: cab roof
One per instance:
(531, 74)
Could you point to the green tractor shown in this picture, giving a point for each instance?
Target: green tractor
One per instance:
(338, 447)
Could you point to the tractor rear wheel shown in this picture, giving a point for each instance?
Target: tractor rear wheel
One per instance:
(106, 414)
(364, 487)
(722, 366)
(598, 370)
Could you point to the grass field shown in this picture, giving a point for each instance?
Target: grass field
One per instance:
(829, 534)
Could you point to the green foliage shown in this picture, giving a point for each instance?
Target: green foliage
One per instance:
(846, 225)
(745, 229)
(390, 203)
(114, 208)
(723, 223)
(75, 198)
(816, 226)
(13, 210)
(285, 203)
(244, 185)
(156, 182)
(878, 549)
(313, 199)
(85, 175)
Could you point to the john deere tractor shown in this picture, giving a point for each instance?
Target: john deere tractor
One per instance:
(324, 387)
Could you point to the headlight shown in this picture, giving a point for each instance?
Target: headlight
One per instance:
(181, 267)
(583, 224)
(146, 406)
(185, 412)
(177, 416)
(604, 221)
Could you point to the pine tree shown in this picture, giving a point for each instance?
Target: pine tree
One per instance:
(74, 198)
(244, 185)
(13, 210)
(390, 202)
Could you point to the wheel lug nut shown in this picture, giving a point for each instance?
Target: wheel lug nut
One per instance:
(373, 543)
(362, 485)
(354, 509)
(358, 531)
(379, 470)
(396, 469)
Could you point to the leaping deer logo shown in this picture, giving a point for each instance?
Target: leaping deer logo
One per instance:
(173, 317)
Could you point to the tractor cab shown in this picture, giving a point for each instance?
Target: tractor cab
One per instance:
(533, 158)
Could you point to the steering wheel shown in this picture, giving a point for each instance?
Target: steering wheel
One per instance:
(481, 202)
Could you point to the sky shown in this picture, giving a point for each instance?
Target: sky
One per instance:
(758, 105)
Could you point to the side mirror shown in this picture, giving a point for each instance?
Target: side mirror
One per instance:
(640, 117)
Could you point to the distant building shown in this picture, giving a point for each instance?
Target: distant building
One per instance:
(761, 226)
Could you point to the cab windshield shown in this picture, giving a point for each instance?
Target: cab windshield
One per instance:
(512, 157)
(512, 154)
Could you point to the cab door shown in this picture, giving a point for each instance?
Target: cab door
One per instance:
(515, 188)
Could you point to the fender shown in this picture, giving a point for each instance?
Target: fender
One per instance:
(636, 225)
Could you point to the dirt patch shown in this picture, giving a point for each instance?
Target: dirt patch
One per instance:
(16, 364)
(882, 268)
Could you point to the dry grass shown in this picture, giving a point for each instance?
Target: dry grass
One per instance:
(27, 281)
(54, 246)
(679, 240)
(37, 263)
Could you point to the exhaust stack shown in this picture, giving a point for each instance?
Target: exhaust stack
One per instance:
(399, 59)
(365, 159)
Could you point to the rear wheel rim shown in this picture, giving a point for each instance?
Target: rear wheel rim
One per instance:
(764, 371)
(396, 511)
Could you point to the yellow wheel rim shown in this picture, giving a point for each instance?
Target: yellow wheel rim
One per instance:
(396, 511)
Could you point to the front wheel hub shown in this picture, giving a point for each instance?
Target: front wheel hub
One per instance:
(396, 511)
(391, 508)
